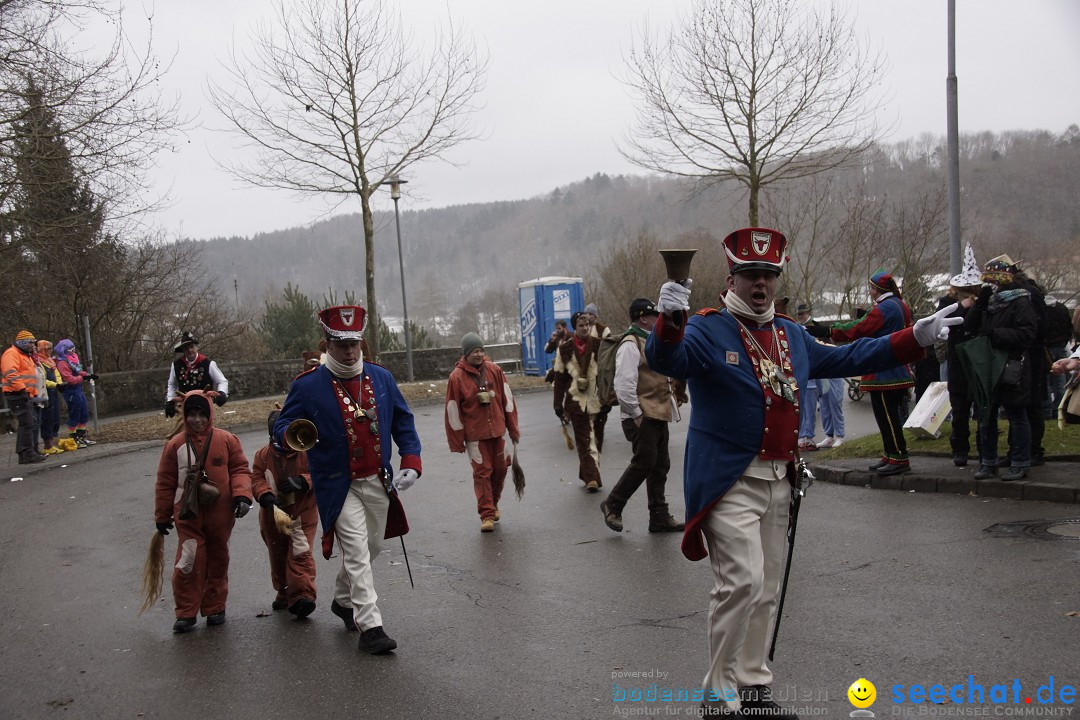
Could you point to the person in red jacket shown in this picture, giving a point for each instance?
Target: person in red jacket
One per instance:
(480, 410)
(203, 482)
(283, 479)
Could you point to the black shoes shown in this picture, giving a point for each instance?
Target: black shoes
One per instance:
(345, 613)
(895, 468)
(879, 464)
(30, 459)
(665, 524)
(216, 619)
(376, 642)
(302, 607)
(280, 603)
(985, 472)
(960, 459)
(183, 625)
(757, 702)
(611, 518)
(1014, 473)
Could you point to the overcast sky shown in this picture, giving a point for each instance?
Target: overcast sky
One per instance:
(554, 108)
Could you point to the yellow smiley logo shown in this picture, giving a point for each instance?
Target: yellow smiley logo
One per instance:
(862, 693)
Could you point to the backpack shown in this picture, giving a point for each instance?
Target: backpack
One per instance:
(605, 368)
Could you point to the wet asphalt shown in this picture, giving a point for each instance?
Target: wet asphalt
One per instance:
(540, 619)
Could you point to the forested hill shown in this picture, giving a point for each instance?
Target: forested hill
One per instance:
(453, 254)
(1019, 189)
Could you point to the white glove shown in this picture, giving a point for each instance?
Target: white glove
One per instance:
(935, 328)
(674, 297)
(404, 479)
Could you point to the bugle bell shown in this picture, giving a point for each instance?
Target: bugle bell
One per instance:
(301, 435)
(677, 263)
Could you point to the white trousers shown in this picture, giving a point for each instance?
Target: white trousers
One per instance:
(745, 532)
(359, 529)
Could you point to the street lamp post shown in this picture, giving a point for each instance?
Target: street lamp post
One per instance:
(395, 194)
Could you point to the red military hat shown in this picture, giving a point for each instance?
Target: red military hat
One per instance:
(755, 249)
(343, 322)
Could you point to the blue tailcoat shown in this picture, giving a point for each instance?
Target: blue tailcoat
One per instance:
(312, 397)
(727, 417)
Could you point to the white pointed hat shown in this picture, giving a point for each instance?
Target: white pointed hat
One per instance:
(970, 275)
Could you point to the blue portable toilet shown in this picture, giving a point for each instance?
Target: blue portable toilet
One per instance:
(542, 302)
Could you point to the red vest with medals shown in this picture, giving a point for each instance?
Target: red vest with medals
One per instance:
(771, 361)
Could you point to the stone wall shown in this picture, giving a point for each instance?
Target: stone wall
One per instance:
(144, 390)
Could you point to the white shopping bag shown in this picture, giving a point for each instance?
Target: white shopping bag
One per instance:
(933, 407)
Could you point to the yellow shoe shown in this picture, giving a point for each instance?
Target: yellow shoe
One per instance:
(487, 525)
(498, 515)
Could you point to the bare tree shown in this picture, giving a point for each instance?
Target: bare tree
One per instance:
(335, 99)
(755, 91)
(109, 109)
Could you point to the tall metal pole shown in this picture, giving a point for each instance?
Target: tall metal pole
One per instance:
(955, 259)
(89, 357)
(395, 193)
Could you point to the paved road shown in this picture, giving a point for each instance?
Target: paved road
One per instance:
(531, 621)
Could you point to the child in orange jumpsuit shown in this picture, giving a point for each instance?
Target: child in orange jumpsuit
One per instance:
(204, 515)
(284, 480)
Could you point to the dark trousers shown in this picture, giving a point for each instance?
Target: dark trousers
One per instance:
(1019, 436)
(50, 417)
(19, 403)
(960, 438)
(649, 465)
(886, 404)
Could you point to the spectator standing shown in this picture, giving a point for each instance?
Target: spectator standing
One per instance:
(193, 371)
(576, 399)
(830, 390)
(50, 417)
(19, 384)
(888, 389)
(73, 376)
(963, 289)
(1004, 313)
(480, 410)
(1058, 333)
(646, 404)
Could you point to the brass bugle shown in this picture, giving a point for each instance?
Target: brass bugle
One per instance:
(301, 435)
(677, 263)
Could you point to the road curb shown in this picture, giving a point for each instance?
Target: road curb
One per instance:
(1041, 489)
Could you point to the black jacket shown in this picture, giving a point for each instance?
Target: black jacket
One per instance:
(1014, 328)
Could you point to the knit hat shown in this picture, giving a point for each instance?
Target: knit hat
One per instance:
(469, 342)
(884, 282)
(25, 335)
(591, 308)
(969, 276)
(1000, 271)
(43, 347)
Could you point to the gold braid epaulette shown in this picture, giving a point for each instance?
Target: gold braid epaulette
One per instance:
(707, 311)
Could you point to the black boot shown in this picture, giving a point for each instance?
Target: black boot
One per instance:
(302, 607)
(660, 520)
(757, 703)
(612, 517)
(376, 642)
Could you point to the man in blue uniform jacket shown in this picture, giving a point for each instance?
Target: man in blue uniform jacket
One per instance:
(744, 367)
(357, 409)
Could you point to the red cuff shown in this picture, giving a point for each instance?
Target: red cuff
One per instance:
(668, 331)
(411, 462)
(905, 347)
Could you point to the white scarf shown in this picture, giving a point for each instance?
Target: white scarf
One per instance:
(736, 305)
(343, 371)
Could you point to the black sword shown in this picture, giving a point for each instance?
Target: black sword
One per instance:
(803, 479)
